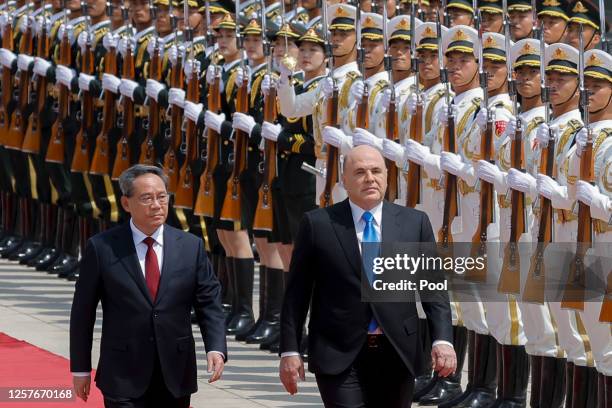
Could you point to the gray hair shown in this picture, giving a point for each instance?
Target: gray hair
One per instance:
(126, 180)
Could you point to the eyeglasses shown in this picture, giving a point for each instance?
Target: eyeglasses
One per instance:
(162, 199)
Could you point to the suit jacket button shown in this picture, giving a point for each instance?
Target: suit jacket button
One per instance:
(155, 315)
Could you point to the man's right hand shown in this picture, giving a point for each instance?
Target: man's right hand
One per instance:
(291, 370)
(82, 385)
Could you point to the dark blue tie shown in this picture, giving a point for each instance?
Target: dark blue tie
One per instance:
(370, 251)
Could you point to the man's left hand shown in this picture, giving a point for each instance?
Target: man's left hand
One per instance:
(443, 360)
(215, 366)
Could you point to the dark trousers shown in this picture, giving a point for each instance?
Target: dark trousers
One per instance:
(377, 378)
(156, 396)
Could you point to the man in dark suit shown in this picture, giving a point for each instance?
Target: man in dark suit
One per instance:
(148, 277)
(362, 354)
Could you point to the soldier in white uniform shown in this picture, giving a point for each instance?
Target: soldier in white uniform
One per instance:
(562, 77)
(341, 18)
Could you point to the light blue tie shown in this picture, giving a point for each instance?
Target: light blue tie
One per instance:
(369, 253)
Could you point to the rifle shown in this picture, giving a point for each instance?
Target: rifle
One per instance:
(184, 188)
(147, 152)
(80, 158)
(231, 202)
(451, 208)
(175, 132)
(264, 217)
(332, 170)
(602, 26)
(31, 141)
(573, 295)
(535, 284)
(413, 180)
(363, 113)
(126, 119)
(510, 277)
(55, 150)
(205, 200)
(100, 163)
(392, 119)
(7, 80)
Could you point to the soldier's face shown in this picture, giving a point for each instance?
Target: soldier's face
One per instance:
(374, 53)
(400, 54)
(367, 6)
(116, 17)
(96, 8)
(562, 86)
(528, 81)
(343, 42)
(459, 16)
(554, 29)
(496, 74)
(226, 39)
(162, 23)
(73, 5)
(311, 56)
(309, 4)
(281, 49)
(492, 22)
(56, 4)
(253, 47)
(140, 12)
(429, 67)
(600, 93)
(521, 24)
(462, 68)
(590, 38)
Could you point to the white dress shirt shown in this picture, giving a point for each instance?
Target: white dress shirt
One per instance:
(360, 224)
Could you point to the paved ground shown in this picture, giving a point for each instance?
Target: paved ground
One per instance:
(35, 307)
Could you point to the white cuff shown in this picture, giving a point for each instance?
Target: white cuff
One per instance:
(81, 374)
(290, 354)
(436, 342)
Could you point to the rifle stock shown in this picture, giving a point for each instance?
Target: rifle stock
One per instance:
(171, 165)
(147, 153)
(392, 171)
(7, 85)
(331, 175)
(413, 179)
(122, 157)
(18, 123)
(450, 189)
(80, 158)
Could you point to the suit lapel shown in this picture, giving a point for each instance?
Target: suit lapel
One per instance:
(391, 230)
(342, 221)
(171, 259)
(126, 252)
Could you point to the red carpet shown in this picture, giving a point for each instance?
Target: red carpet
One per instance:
(25, 366)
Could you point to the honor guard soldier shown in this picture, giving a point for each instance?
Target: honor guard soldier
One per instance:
(492, 15)
(460, 12)
(523, 19)
(554, 17)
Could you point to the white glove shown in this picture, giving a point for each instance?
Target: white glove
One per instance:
(110, 83)
(191, 66)
(416, 152)
(7, 57)
(385, 99)
(443, 113)
(411, 103)
(38, 25)
(153, 88)
(84, 81)
(127, 87)
(69, 31)
(214, 121)
(110, 41)
(284, 71)
(363, 137)
(451, 163)
(394, 151)
(267, 83)
(24, 61)
(151, 45)
(525, 182)
(192, 111)
(123, 45)
(556, 193)
(3, 21)
(176, 97)
(173, 54)
(543, 134)
(510, 128)
(244, 122)
(270, 131)
(599, 203)
(241, 75)
(64, 75)
(41, 66)
(337, 138)
(581, 140)
(357, 90)
(82, 39)
(211, 71)
(327, 87)
(23, 25)
(481, 118)
(492, 174)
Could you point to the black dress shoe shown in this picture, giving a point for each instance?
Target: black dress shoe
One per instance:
(72, 276)
(422, 385)
(68, 268)
(10, 245)
(59, 263)
(45, 259)
(26, 251)
(443, 390)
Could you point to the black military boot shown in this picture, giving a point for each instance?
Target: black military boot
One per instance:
(515, 376)
(569, 384)
(13, 239)
(34, 228)
(270, 325)
(535, 365)
(263, 301)
(552, 382)
(584, 387)
(471, 340)
(608, 398)
(485, 371)
(231, 281)
(243, 320)
(449, 388)
(424, 381)
(54, 231)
